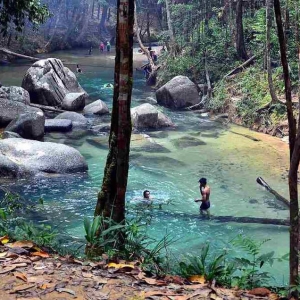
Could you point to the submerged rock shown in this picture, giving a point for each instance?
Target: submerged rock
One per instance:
(101, 128)
(9, 135)
(147, 116)
(33, 157)
(159, 162)
(179, 92)
(187, 141)
(77, 119)
(48, 82)
(99, 142)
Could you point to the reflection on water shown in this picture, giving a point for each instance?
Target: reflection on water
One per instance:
(170, 168)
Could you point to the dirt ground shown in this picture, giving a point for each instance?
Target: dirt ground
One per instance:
(27, 272)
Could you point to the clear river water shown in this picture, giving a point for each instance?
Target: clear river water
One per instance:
(224, 154)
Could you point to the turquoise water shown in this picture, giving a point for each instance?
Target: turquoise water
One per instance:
(170, 170)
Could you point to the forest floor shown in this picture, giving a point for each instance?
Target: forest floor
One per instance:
(28, 273)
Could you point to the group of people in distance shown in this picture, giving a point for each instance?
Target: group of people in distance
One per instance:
(204, 191)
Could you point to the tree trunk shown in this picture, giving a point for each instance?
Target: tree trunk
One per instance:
(86, 18)
(170, 28)
(240, 42)
(294, 153)
(111, 198)
(269, 6)
(103, 18)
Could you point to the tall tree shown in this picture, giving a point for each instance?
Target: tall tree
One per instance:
(18, 11)
(111, 198)
(294, 144)
(239, 38)
(269, 6)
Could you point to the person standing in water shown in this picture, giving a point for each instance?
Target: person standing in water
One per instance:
(205, 193)
(108, 46)
(101, 47)
(78, 70)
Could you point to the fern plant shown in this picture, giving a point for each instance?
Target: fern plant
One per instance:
(251, 265)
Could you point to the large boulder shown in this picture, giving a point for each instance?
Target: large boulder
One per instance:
(60, 125)
(48, 82)
(28, 125)
(10, 110)
(179, 92)
(77, 119)
(97, 107)
(74, 101)
(147, 116)
(20, 157)
(15, 93)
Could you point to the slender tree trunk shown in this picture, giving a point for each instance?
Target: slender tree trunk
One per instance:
(98, 14)
(294, 153)
(240, 42)
(269, 6)
(103, 18)
(88, 12)
(93, 7)
(111, 198)
(170, 28)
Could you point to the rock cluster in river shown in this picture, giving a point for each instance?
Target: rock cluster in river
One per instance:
(50, 83)
(148, 116)
(21, 157)
(178, 93)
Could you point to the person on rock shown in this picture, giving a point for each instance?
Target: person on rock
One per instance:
(205, 193)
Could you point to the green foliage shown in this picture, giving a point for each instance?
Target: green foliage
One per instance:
(129, 241)
(243, 271)
(18, 11)
(212, 267)
(217, 102)
(42, 235)
(250, 265)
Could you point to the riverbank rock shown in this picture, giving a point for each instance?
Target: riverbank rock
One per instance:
(179, 92)
(58, 125)
(74, 101)
(97, 107)
(77, 119)
(10, 110)
(48, 83)
(33, 157)
(29, 125)
(147, 116)
(9, 135)
(15, 93)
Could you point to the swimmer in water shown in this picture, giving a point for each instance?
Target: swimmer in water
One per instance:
(205, 193)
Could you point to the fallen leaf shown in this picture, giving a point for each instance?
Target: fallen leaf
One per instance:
(62, 290)
(196, 279)
(87, 275)
(4, 239)
(174, 279)
(7, 269)
(47, 285)
(22, 287)
(262, 291)
(19, 265)
(22, 244)
(3, 254)
(119, 266)
(21, 276)
(40, 254)
(156, 293)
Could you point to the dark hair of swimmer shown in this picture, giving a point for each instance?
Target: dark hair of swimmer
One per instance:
(146, 194)
(203, 181)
